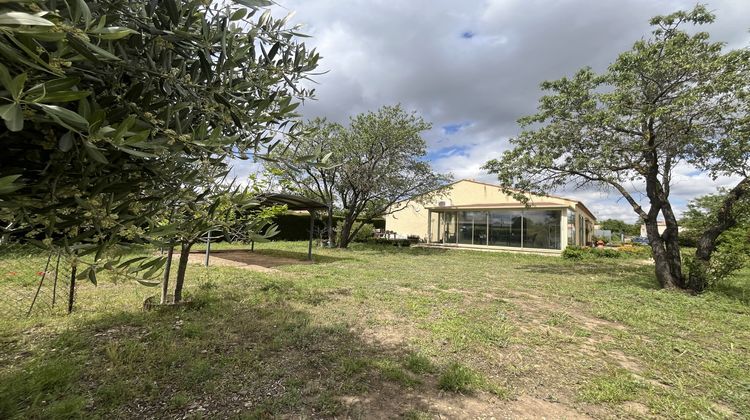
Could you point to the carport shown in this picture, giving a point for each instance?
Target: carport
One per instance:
(296, 203)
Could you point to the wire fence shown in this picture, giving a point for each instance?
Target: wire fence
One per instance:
(32, 283)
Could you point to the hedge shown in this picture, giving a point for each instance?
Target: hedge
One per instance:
(295, 227)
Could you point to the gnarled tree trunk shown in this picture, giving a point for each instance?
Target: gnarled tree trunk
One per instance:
(346, 232)
(662, 261)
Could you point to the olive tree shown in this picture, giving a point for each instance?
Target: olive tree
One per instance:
(105, 102)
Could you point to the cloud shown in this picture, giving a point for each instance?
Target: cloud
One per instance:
(480, 61)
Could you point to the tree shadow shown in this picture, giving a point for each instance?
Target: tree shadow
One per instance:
(222, 356)
(616, 272)
(271, 258)
(736, 287)
(395, 249)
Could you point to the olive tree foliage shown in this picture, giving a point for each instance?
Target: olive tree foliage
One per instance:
(108, 104)
(221, 209)
(304, 165)
(674, 98)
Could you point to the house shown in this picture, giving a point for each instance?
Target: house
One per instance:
(477, 214)
(660, 225)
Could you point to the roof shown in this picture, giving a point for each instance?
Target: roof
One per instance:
(576, 202)
(293, 202)
(501, 206)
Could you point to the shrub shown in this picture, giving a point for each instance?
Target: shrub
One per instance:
(732, 253)
(365, 233)
(606, 253)
(573, 252)
(625, 251)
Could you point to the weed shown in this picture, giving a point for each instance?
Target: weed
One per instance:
(458, 378)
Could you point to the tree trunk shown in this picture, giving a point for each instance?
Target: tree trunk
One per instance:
(664, 275)
(672, 245)
(706, 245)
(346, 231)
(167, 269)
(181, 268)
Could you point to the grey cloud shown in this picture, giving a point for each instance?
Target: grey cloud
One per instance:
(413, 53)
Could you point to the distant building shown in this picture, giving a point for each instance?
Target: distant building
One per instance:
(662, 227)
(476, 214)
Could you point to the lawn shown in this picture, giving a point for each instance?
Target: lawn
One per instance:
(386, 332)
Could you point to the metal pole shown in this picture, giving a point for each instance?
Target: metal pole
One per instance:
(208, 247)
(72, 293)
(312, 227)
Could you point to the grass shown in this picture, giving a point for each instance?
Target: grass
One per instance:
(413, 333)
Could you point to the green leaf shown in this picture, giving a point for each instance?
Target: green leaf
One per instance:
(64, 96)
(255, 3)
(13, 116)
(5, 78)
(66, 142)
(65, 115)
(135, 152)
(7, 186)
(21, 18)
(63, 83)
(148, 283)
(238, 14)
(89, 50)
(130, 261)
(17, 85)
(94, 153)
(112, 32)
(81, 9)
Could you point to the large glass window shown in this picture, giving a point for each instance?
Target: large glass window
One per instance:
(505, 228)
(472, 227)
(511, 228)
(581, 231)
(541, 229)
(448, 228)
(571, 227)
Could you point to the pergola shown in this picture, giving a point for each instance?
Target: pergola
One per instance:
(295, 202)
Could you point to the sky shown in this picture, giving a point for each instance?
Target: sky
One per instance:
(472, 68)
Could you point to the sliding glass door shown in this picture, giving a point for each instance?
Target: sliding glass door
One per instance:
(540, 229)
(472, 227)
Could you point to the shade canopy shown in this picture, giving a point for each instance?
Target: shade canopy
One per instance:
(292, 202)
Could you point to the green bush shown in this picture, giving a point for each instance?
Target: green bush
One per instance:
(365, 233)
(732, 253)
(606, 253)
(573, 252)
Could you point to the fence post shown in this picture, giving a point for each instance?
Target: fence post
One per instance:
(72, 293)
(208, 247)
